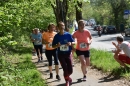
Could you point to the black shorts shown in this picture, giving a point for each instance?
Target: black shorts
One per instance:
(85, 53)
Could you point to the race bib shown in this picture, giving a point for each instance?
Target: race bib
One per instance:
(50, 45)
(83, 45)
(37, 42)
(64, 48)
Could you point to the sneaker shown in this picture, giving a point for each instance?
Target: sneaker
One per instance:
(67, 83)
(84, 78)
(41, 58)
(38, 61)
(58, 77)
(70, 80)
(51, 75)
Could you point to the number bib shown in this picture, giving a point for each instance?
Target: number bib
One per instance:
(50, 45)
(37, 42)
(64, 48)
(83, 45)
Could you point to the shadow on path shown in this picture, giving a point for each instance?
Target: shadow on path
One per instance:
(115, 74)
(78, 81)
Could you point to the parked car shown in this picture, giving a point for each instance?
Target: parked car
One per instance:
(127, 32)
(92, 22)
(109, 29)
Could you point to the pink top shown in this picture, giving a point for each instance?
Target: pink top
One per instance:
(82, 39)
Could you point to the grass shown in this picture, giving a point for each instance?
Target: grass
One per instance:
(18, 70)
(103, 60)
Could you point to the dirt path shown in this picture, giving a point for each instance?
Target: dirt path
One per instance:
(94, 77)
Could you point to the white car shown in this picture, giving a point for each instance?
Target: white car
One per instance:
(92, 22)
(127, 32)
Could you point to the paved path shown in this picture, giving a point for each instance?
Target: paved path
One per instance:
(92, 79)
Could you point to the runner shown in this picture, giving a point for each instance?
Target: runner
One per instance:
(49, 52)
(37, 39)
(72, 52)
(84, 39)
(63, 42)
(33, 51)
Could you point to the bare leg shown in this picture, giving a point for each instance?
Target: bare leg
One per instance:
(83, 64)
(50, 69)
(57, 69)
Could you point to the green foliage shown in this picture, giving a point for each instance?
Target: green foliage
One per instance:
(19, 17)
(18, 70)
(106, 12)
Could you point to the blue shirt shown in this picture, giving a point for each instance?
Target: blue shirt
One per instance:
(38, 38)
(63, 39)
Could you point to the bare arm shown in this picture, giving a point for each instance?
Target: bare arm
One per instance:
(90, 37)
(115, 45)
(56, 46)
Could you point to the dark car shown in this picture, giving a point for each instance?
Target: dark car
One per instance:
(109, 29)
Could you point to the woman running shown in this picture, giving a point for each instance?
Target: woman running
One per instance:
(84, 39)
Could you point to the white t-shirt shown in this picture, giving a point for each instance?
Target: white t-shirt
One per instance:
(125, 46)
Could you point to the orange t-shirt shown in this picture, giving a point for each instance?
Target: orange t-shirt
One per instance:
(48, 37)
(82, 39)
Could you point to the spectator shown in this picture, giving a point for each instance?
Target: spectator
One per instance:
(122, 58)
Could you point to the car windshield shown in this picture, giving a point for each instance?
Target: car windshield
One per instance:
(111, 26)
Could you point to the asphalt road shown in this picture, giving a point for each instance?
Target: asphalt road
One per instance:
(105, 41)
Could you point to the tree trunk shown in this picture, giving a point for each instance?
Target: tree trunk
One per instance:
(78, 11)
(60, 11)
(116, 20)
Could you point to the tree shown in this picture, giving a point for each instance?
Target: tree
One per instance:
(116, 9)
(60, 9)
(78, 11)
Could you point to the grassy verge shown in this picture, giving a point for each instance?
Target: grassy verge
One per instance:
(104, 61)
(18, 70)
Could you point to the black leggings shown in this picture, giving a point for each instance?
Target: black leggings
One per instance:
(66, 64)
(49, 54)
(37, 48)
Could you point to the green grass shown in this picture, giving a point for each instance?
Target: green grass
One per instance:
(104, 60)
(18, 70)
